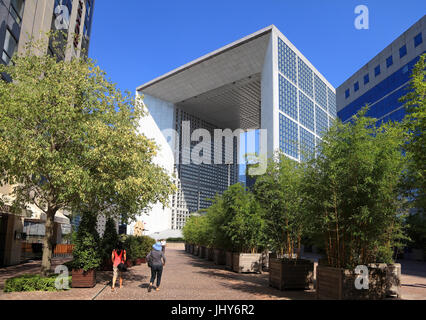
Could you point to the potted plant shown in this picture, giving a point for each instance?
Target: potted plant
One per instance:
(355, 207)
(244, 228)
(144, 247)
(279, 192)
(86, 253)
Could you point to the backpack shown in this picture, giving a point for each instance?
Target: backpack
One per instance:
(150, 260)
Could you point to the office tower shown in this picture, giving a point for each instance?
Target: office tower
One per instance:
(384, 79)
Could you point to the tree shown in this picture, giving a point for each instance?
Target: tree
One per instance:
(109, 240)
(351, 190)
(279, 193)
(415, 125)
(87, 252)
(245, 223)
(69, 140)
(216, 219)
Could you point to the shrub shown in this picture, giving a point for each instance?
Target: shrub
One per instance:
(31, 282)
(175, 240)
(109, 239)
(87, 253)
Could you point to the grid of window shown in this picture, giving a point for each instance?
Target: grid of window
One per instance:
(418, 40)
(320, 92)
(305, 78)
(287, 61)
(306, 112)
(16, 10)
(307, 144)
(321, 121)
(288, 98)
(289, 139)
(402, 51)
(332, 104)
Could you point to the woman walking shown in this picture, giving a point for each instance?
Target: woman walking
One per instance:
(118, 258)
(156, 260)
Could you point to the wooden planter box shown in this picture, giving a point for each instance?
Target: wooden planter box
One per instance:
(339, 284)
(203, 252)
(81, 279)
(139, 261)
(290, 274)
(186, 247)
(247, 262)
(219, 257)
(107, 265)
(210, 254)
(191, 249)
(129, 263)
(229, 260)
(196, 250)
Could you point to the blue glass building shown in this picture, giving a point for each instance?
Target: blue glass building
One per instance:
(384, 80)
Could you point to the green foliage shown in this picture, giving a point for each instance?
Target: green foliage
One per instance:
(69, 140)
(279, 193)
(351, 192)
(87, 253)
(415, 125)
(109, 240)
(31, 282)
(416, 230)
(246, 224)
(217, 218)
(138, 247)
(175, 240)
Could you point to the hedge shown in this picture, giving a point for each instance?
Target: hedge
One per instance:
(32, 282)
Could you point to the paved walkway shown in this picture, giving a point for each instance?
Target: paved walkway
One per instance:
(187, 277)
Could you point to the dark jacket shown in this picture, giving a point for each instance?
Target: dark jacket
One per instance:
(156, 257)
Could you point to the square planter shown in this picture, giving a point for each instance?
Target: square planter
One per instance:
(229, 260)
(81, 279)
(290, 274)
(186, 247)
(196, 250)
(129, 263)
(219, 257)
(203, 252)
(339, 284)
(247, 262)
(210, 254)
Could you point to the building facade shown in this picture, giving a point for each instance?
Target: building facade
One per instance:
(21, 20)
(260, 83)
(384, 79)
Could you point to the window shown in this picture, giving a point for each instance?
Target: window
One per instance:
(389, 62)
(402, 51)
(10, 46)
(347, 93)
(366, 78)
(356, 86)
(418, 40)
(377, 70)
(17, 9)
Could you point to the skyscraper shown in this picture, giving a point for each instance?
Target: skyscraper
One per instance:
(384, 79)
(259, 82)
(22, 19)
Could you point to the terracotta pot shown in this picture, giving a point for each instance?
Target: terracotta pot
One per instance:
(81, 279)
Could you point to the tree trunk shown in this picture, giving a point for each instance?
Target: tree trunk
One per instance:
(46, 262)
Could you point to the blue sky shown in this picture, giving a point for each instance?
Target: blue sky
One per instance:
(136, 41)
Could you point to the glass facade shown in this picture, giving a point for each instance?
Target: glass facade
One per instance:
(383, 98)
(306, 105)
